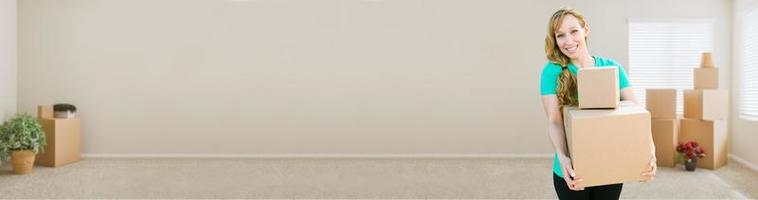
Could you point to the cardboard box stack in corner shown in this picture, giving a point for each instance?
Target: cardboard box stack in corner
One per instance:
(661, 103)
(610, 143)
(63, 139)
(705, 111)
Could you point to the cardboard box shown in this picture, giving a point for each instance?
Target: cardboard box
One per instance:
(706, 104)
(712, 136)
(706, 60)
(598, 87)
(609, 146)
(706, 78)
(665, 137)
(63, 142)
(45, 111)
(661, 103)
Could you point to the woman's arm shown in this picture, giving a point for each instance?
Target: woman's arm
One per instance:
(627, 94)
(558, 138)
(555, 124)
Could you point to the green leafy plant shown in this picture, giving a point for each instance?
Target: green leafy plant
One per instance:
(22, 132)
(4, 154)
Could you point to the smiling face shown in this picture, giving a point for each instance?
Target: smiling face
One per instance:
(571, 37)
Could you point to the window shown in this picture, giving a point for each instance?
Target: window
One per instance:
(663, 53)
(748, 64)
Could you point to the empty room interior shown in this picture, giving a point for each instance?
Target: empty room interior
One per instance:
(378, 99)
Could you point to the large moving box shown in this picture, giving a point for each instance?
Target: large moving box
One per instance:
(661, 103)
(711, 135)
(665, 133)
(706, 104)
(609, 146)
(63, 139)
(598, 87)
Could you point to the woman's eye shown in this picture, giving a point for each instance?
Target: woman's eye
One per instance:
(559, 36)
(574, 31)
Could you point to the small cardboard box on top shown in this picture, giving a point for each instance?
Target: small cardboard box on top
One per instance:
(598, 87)
(707, 75)
(609, 146)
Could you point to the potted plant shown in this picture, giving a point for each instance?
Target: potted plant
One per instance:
(23, 137)
(3, 151)
(689, 153)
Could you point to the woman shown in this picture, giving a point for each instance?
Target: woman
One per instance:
(566, 49)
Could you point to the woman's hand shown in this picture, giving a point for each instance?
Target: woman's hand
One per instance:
(650, 174)
(569, 175)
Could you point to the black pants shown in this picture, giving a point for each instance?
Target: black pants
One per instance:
(612, 191)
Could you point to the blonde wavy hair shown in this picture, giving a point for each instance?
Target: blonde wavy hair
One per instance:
(567, 92)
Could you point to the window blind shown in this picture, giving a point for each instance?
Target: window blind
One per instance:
(749, 66)
(663, 53)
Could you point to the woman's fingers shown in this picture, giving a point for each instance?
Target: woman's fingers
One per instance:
(653, 164)
(570, 170)
(647, 177)
(569, 183)
(654, 167)
(570, 176)
(576, 185)
(572, 180)
(572, 184)
(650, 174)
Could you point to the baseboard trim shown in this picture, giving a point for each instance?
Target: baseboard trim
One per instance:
(316, 156)
(744, 162)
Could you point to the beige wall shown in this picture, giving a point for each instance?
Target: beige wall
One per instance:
(7, 59)
(744, 132)
(329, 76)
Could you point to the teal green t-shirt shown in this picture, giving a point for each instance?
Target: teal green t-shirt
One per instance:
(549, 83)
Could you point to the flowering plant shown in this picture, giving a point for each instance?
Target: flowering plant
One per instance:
(690, 150)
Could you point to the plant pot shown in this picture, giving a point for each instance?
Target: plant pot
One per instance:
(63, 114)
(690, 164)
(22, 161)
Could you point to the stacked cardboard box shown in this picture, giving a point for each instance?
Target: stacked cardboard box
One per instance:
(63, 139)
(608, 141)
(600, 88)
(665, 127)
(705, 111)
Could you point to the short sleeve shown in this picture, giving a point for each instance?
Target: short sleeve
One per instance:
(549, 79)
(623, 81)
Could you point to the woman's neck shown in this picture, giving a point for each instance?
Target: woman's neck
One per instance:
(583, 61)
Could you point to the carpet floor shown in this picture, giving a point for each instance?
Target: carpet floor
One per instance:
(346, 179)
